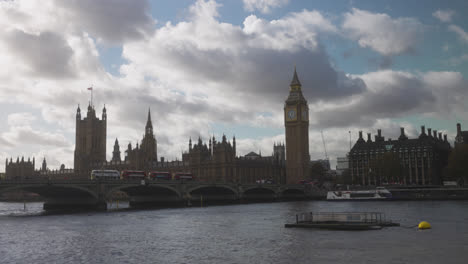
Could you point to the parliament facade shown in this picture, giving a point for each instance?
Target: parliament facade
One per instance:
(214, 161)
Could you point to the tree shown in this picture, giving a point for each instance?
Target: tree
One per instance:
(457, 168)
(318, 172)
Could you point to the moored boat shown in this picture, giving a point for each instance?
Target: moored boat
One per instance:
(380, 193)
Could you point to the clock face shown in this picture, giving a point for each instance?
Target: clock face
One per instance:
(292, 114)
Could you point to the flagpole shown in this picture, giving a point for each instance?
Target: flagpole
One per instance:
(91, 88)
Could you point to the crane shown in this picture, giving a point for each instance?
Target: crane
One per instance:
(324, 146)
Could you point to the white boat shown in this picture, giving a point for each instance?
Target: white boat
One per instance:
(380, 193)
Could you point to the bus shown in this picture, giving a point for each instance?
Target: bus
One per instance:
(184, 176)
(133, 175)
(105, 175)
(158, 176)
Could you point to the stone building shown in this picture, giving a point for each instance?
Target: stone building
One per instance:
(90, 141)
(217, 162)
(296, 121)
(144, 156)
(401, 161)
(461, 137)
(20, 170)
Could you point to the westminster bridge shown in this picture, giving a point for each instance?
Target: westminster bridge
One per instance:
(94, 194)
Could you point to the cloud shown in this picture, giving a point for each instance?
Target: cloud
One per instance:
(393, 94)
(20, 119)
(455, 61)
(462, 34)
(113, 21)
(382, 33)
(444, 15)
(46, 54)
(198, 76)
(263, 6)
(21, 133)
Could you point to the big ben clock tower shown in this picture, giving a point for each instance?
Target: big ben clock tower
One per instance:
(296, 121)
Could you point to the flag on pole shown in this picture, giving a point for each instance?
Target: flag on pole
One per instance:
(90, 88)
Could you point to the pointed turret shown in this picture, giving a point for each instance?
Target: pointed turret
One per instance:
(149, 124)
(78, 113)
(295, 83)
(104, 113)
(116, 152)
(44, 165)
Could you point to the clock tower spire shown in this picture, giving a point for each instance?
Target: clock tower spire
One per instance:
(296, 122)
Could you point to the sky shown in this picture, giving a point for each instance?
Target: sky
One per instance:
(223, 67)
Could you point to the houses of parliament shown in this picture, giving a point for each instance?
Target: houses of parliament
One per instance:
(213, 161)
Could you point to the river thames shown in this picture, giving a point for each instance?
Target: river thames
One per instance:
(248, 233)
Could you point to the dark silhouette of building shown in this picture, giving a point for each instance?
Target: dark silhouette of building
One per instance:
(90, 141)
(217, 162)
(144, 156)
(19, 170)
(461, 137)
(296, 120)
(116, 152)
(402, 161)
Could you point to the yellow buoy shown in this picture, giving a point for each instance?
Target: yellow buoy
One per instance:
(424, 225)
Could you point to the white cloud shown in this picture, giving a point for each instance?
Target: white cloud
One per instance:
(382, 33)
(462, 34)
(444, 15)
(20, 119)
(263, 6)
(196, 75)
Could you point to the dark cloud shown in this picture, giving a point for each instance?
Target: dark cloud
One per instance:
(47, 54)
(114, 21)
(390, 95)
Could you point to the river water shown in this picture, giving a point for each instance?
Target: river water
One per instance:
(249, 233)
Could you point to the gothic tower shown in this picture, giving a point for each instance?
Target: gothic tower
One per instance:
(149, 145)
(116, 152)
(90, 141)
(296, 122)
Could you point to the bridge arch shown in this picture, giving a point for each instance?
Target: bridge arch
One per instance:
(261, 188)
(293, 191)
(150, 189)
(215, 188)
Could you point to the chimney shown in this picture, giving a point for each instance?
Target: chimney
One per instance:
(360, 134)
(445, 138)
(458, 128)
(369, 137)
(435, 133)
(423, 130)
(440, 136)
(429, 132)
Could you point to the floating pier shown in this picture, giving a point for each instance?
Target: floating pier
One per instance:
(342, 220)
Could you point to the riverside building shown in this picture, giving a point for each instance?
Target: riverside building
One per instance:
(402, 161)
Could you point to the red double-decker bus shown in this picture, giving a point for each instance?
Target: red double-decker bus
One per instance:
(133, 175)
(160, 176)
(184, 176)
